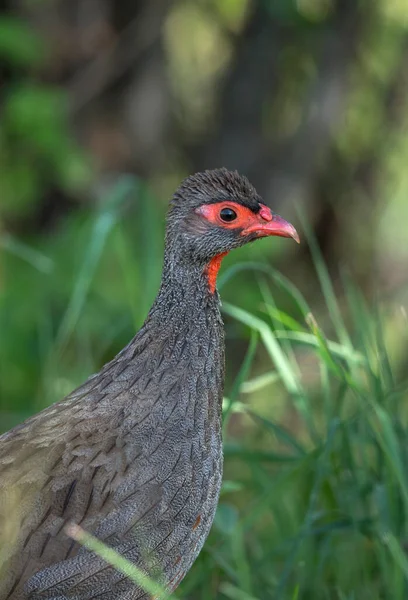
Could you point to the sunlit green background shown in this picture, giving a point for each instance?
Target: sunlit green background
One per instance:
(104, 107)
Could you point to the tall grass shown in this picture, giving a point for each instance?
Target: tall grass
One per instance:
(322, 507)
(315, 496)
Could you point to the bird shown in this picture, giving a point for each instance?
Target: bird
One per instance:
(134, 455)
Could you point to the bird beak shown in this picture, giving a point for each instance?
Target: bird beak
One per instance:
(273, 226)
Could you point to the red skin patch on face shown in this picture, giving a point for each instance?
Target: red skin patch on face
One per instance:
(245, 222)
(265, 213)
(212, 270)
(245, 218)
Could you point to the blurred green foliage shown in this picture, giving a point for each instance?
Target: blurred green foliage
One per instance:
(314, 503)
(37, 149)
(20, 46)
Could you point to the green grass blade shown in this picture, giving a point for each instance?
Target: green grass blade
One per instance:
(282, 364)
(33, 257)
(397, 553)
(326, 284)
(308, 339)
(240, 378)
(104, 222)
(277, 277)
(280, 432)
(235, 593)
(289, 378)
(118, 562)
(258, 383)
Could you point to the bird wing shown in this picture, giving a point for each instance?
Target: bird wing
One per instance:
(61, 466)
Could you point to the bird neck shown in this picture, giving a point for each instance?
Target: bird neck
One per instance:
(187, 292)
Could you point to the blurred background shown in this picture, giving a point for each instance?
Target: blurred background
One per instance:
(104, 107)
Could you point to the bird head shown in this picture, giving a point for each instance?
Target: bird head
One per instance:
(216, 211)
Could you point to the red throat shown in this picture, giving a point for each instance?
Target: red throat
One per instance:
(212, 270)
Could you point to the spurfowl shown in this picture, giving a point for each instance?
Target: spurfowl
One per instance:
(134, 455)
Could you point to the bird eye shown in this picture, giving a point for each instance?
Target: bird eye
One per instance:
(228, 215)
